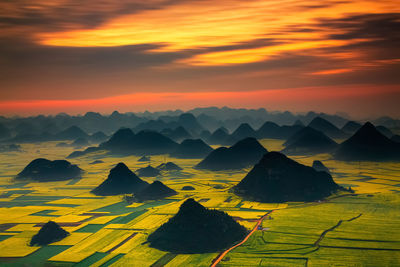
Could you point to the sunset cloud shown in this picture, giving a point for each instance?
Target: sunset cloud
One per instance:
(72, 50)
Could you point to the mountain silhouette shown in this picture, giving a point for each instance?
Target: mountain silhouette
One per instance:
(178, 134)
(44, 170)
(154, 125)
(49, 233)
(368, 144)
(192, 149)
(80, 142)
(385, 131)
(148, 172)
(309, 141)
(269, 130)
(154, 191)
(276, 178)
(189, 121)
(121, 180)
(169, 166)
(119, 140)
(124, 141)
(272, 130)
(88, 150)
(98, 137)
(196, 229)
(244, 130)
(319, 166)
(299, 123)
(71, 133)
(326, 127)
(219, 136)
(242, 154)
(351, 127)
(205, 135)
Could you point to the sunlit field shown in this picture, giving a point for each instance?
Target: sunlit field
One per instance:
(344, 230)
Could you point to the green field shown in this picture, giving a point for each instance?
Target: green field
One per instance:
(361, 229)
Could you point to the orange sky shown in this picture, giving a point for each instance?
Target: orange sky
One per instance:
(75, 56)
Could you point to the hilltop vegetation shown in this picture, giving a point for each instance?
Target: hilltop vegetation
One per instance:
(121, 180)
(191, 149)
(148, 171)
(242, 154)
(196, 229)
(44, 170)
(49, 233)
(276, 178)
(309, 141)
(154, 191)
(368, 144)
(169, 166)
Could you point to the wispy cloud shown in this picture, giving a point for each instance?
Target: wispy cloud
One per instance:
(69, 49)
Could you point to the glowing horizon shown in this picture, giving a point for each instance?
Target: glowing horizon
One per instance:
(139, 102)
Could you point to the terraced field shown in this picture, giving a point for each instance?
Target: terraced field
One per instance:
(361, 229)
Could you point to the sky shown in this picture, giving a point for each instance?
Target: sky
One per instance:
(103, 55)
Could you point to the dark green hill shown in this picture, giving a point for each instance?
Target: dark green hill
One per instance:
(98, 137)
(242, 154)
(169, 166)
(351, 127)
(49, 233)
(178, 134)
(148, 172)
(276, 178)
(326, 127)
(244, 130)
(192, 149)
(272, 130)
(219, 137)
(319, 166)
(71, 133)
(154, 191)
(196, 229)
(125, 142)
(44, 170)
(309, 141)
(121, 180)
(368, 144)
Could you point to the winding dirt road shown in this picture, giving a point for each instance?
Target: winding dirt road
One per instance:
(223, 254)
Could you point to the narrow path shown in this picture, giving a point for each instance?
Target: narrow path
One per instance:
(316, 244)
(223, 254)
(123, 242)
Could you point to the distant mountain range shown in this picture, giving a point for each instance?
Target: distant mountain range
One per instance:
(178, 125)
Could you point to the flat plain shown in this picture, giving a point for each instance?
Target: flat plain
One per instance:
(360, 229)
